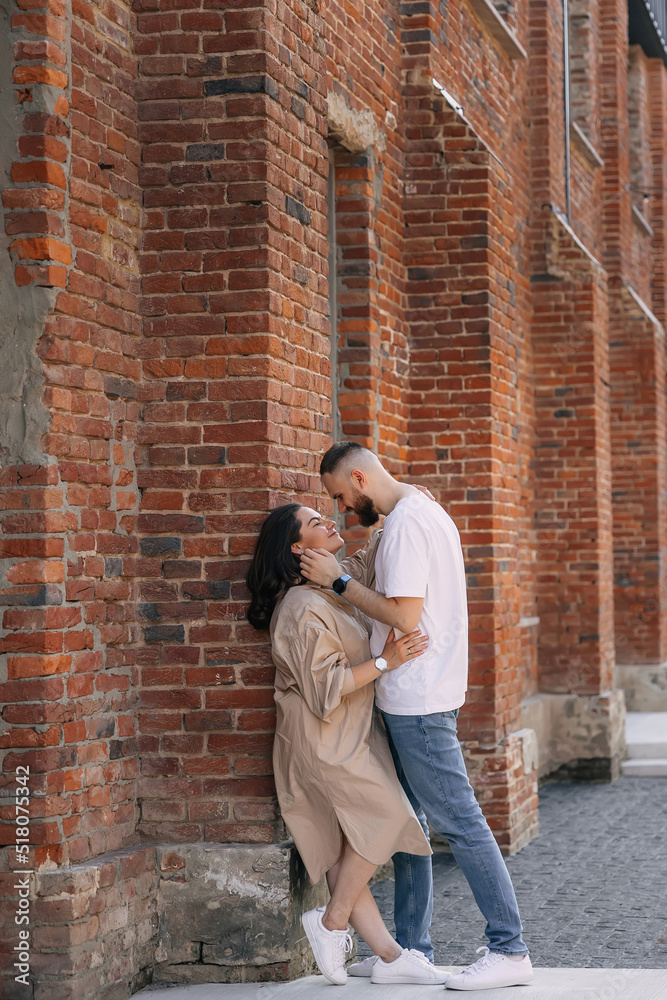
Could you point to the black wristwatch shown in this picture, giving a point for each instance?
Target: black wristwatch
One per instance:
(339, 585)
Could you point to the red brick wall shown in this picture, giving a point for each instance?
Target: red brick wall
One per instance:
(638, 417)
(638, 467)
(37, 216)
(463, 320)
(657, 209)
(94, 926)
(373, 349)
(236, 385)
(641, 181)
(572, 472)
(168, 196)
(69, 530)
(584, 95)
(584, 76)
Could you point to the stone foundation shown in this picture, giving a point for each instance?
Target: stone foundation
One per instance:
(644, 685)
(93, 928)
(580, 737)
(186, 913)
(232, 913)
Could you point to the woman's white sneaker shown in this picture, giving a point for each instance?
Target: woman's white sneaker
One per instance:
(329, 947)
(410, 967)
(492, 971)
(363, 968)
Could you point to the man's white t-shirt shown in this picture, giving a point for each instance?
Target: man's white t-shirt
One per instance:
(419, 555)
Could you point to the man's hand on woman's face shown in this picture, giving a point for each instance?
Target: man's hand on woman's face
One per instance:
(320, 566)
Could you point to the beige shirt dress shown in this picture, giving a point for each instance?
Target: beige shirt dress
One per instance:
(333, 768)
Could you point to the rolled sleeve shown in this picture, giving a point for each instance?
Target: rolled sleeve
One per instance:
(319, 665)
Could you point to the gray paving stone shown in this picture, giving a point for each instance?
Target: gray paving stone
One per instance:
(592, 894)
(591, 887)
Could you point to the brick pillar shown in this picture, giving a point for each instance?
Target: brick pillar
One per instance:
(573, 514)
(40, 251)
(236, 411)
(463, 416)
(639, 443)
(658, 201)
(572, 474)
(69, 400)
(633, 127)
(577, 714)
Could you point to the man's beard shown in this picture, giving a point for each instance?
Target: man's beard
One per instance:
(365, 511)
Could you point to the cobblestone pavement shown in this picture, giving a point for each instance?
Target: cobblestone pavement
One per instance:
(592, 888)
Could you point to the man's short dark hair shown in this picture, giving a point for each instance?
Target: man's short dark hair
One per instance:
(336, 454)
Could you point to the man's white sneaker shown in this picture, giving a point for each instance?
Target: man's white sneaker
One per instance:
(329, 947)
(363, 968)
(492, 971)
(410, 967)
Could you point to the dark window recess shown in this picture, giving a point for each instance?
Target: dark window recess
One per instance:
(647, 26)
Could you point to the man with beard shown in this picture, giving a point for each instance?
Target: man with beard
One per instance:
(420, 582)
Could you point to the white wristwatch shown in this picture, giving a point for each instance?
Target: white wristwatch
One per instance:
(380, 664)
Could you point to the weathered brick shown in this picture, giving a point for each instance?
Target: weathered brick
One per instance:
(164, 633)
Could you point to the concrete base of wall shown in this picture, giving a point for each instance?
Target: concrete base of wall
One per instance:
(232, 913)
(183, 913)
(580, 737)
(645, 686)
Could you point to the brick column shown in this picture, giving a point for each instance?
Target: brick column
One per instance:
(69, 400)
(639, 467)
(658, 201)
(572, 474)
(463, 410)
(633, 127)
(236, 411)
(37, 215)
(576, 713)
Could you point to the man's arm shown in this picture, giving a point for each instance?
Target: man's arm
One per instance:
(361, 564)
(403, 613)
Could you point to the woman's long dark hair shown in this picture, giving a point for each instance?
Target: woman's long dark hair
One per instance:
(274, 566)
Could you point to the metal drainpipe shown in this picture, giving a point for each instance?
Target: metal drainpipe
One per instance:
(566, 101)
(336, 431)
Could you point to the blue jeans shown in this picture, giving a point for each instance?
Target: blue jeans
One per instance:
(430, 766)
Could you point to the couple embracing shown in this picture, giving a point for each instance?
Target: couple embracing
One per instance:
(386, 627)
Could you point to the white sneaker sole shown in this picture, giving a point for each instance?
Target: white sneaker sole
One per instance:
(409, 980)
(497, 985)
(309, 921)
(437, 977)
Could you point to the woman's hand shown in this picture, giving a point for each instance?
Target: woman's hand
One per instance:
(398, 651)
(425, 490)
